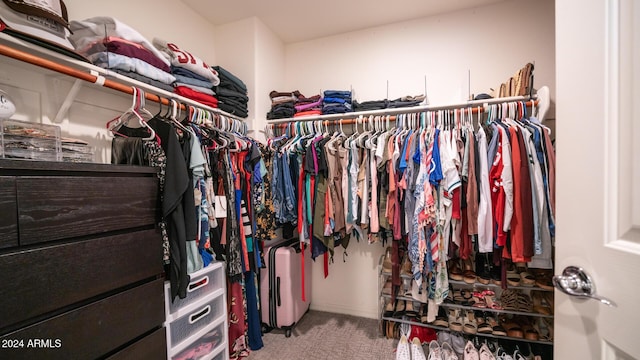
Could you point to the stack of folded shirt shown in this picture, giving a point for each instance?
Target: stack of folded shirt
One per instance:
(336, 102)
(232, 93)
(194, 78)
(370, 105)
(283, 104)
(406, 101)
(308, 106)
(110, 44)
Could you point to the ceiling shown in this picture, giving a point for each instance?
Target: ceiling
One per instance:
(299, 20)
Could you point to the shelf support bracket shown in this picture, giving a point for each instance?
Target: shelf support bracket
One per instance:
(71, 96)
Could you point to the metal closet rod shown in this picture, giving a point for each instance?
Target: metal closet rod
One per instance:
(476, 106)
(97, 79)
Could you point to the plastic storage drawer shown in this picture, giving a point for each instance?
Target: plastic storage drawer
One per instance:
(203, 283)
(211, 345)
(195, 318)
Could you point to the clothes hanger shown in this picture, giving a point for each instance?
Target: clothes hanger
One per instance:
(172, 116)
(134, 111)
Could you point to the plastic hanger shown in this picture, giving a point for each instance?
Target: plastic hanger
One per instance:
(133, 111)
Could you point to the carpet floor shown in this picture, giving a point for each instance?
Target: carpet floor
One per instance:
(327, 336)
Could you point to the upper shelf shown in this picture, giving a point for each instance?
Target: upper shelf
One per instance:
(29, 53)
(475, 106)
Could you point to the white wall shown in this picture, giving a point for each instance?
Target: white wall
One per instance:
(493, 42)
(236, 48)
(270, 73)
(251, 51)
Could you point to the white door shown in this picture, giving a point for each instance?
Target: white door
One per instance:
(598, 175)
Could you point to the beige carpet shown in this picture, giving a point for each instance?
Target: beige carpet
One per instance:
(327, 336)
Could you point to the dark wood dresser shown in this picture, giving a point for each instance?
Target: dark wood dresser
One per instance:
(80, 262)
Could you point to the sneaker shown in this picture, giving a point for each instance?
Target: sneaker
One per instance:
(457, 343)
(470, 352)
(485, 353)
(503, 355)
(435, 352)
(448, 353)
(417, 352)
(403, 351)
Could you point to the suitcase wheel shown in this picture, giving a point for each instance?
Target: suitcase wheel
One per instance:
(287, 333)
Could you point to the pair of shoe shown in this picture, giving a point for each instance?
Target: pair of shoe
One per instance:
(441, 352)
(410, 351)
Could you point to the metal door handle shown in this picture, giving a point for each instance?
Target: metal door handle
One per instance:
(576, 282)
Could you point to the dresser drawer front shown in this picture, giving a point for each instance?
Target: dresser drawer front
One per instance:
(95, 329)
(38, 281)
(153, 346)
(202, 284)
(53, 208)
(8, 212)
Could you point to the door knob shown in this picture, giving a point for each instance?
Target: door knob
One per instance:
(576, 282)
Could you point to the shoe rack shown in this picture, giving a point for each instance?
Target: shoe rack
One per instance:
(523, 313)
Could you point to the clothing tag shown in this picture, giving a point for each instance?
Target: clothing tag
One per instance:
(220, 206)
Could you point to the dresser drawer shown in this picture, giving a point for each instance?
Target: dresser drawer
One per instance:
(93, 330)
(207, 346)
(8, 212)
(64, 207)
(38, 281)
(153, 346)
(202, 284)
(194, 319)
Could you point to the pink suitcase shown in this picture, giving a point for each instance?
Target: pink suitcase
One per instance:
(281, 286)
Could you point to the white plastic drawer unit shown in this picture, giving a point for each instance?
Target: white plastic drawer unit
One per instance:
(211, 345)
(192, 319)
(203, 283)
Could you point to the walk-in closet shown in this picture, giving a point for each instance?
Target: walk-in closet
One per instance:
(414, 180)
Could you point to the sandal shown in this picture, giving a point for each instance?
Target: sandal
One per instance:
(400, 309)
(441, 319)
(470, 325)
(513, 279)
(468, 275)
(526, 279)
(455, 322)
(489, 299)
(496, 328)
(409, 310)
(388, 310)
(483, 326)
(539, 304)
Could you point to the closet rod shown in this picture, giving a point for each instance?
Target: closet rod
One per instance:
(98, 79)
(350, 119)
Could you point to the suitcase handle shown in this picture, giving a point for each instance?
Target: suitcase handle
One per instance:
(193, 318)
(278, 290)
(195, 285)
